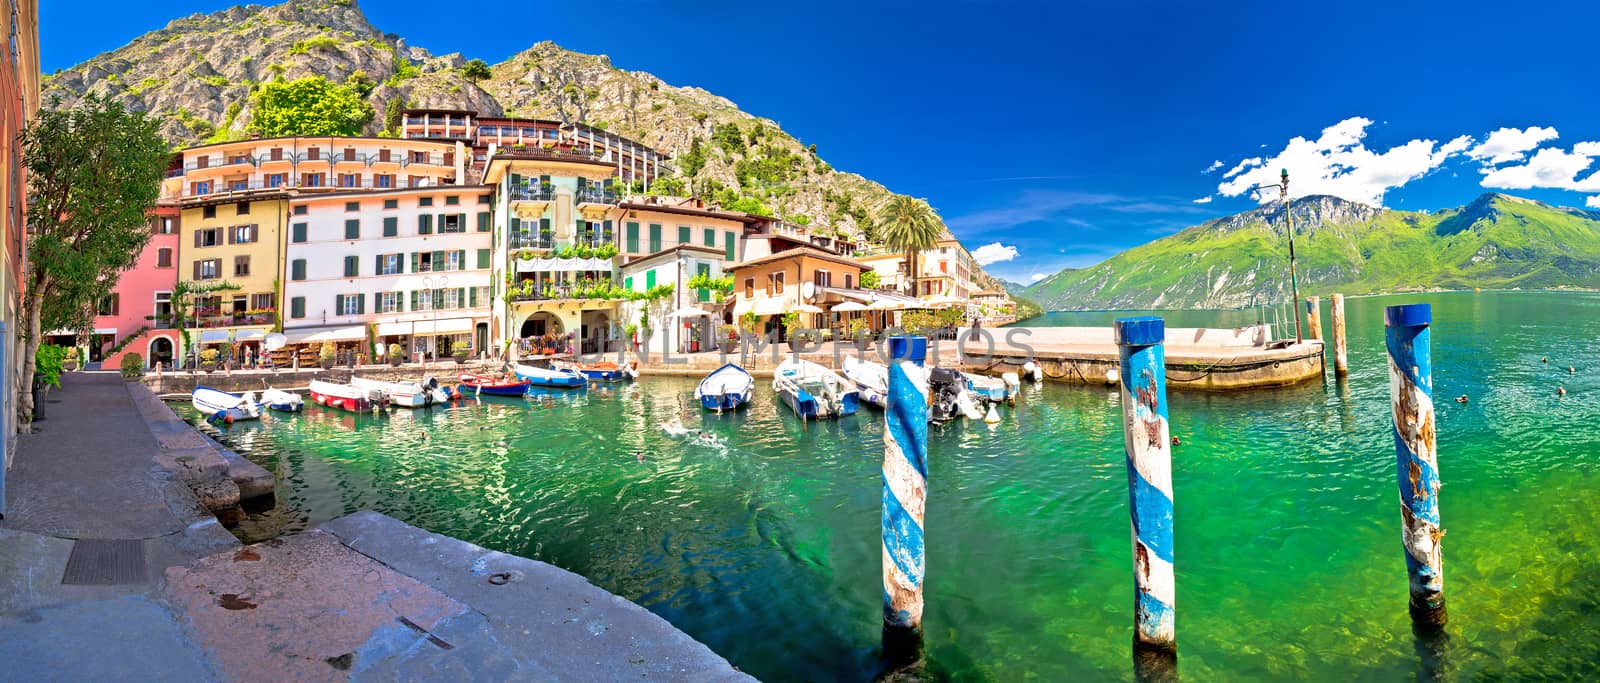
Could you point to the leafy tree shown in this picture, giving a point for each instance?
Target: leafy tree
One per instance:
(93, 171)
(695, 159)
(908, 224)
(309, 106)
(869, 279)
(359, 81)
(476, 70)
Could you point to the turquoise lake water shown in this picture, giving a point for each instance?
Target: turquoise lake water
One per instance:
(765, 546)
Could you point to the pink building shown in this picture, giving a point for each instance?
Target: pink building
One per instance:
(137, 317)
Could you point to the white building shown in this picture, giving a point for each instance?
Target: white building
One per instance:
(675, 266)
(406, 266)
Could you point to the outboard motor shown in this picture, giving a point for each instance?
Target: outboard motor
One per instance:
(945, 387)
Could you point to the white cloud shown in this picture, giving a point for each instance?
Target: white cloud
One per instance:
(994, 252)
(1592, 202)
(1213, 167)
(1588, 149)
(1203, 200)
(1549, 168)
(1339, 163)
(1510, 144)
(1037, 277)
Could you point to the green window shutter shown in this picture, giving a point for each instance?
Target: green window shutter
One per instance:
(655, 237)
(683, 234)
(710, 237)
(391, 226)
(483, 221)
(299, 233)
(727, 245)
(438, 261)
(351, 269)
(361, 304)
(607, 230)
(377, 268)
(627, 282)
(377, 302)
(352, 229)
(516, 179)
(297, 269)
(544, 225)
(438, 298)
(425, 224)
(338, 304)
(399, 303)
(650, 278)
(516, 225)
(472, 298)
(633, 238)
(461, 296)
(483, 259)
(703, 269)
(400, 263)
(414, 264)
(440, 223)
(297, 307)
(414, 300)
(461, 258)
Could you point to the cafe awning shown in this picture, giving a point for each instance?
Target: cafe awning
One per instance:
(317, 335)
(394, 329)
(213, 336)
(445, 326)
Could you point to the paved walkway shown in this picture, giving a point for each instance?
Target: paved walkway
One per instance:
(363, 597)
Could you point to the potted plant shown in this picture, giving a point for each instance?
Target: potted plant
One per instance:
(69, 359)
(327, 355)
(397, 355)
(208, 359)
(632, 330)
(859, 330)
(460, 354)
(132, 367)
(791, 329)
(730, 338)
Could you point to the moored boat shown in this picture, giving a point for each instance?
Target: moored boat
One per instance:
(509, 385)
(603, 371)
(216, 405)
(726, 388)
(346, 397)
(993, 389)
(871, 379)
(546, 377)
(812, 391)
(283, 401)
(406, 393)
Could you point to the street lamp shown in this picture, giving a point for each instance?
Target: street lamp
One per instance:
(435, 283)
(1294, 285)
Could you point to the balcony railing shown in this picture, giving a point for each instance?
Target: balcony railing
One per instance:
(233, 320)
(595, 195)
(545, 241)
(596, 240)
(557, 292)
(526, 193)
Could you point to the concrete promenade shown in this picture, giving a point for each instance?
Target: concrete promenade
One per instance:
(112, 570)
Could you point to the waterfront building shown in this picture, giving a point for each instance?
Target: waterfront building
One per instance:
(404, 266)
(137, 316)
(650, 224)
(946, 270)
(235, 246)
(780, 274)
(992, 307)
(634, 163)
(677, 266)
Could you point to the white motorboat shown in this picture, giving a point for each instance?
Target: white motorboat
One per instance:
(406, 393)
(870, 378)
(726, 388)
(218, 405)
(814, 392)
(280, 400)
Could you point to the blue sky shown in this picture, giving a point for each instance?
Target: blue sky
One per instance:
(1057, 134)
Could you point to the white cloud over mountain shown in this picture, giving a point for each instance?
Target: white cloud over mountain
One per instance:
(1510, 144)
(1339, 163)
(994, 252)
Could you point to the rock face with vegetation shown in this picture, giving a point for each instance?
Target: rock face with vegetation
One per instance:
(205, 74)
(1497, 241)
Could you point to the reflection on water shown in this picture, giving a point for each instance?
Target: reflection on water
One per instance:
(764, 544)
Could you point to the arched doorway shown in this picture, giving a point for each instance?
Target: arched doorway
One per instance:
(159, 351)
(541, 324)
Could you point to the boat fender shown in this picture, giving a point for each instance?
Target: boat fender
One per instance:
(993, 416)
(1111, 377)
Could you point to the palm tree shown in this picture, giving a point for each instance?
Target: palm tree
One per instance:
(908, 224)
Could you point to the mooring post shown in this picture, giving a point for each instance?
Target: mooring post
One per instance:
(905, 494)
(1147, 442)
(1314, 317)
(1416, 462)
(1341, 366)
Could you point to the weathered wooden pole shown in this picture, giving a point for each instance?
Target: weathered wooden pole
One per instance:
(1147, 443)
(1341, 366)
(1314, 317)
(905, 495)
(1416, 462)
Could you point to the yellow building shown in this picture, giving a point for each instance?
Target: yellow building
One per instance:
(238, 243)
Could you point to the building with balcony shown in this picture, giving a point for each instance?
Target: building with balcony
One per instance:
(308, 165)
(233, 244)
(992, 307)
(649, 225)
(137, 316)
(677, 266)
(790, 278)
(438, 124)
(409, 267)
(946, 270)
(631, 160)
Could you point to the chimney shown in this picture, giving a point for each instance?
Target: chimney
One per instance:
(255, 135)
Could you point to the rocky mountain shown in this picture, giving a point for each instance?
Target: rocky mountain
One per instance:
(200, 72)
(1497, 241)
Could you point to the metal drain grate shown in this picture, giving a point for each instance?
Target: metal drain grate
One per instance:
(95, 562)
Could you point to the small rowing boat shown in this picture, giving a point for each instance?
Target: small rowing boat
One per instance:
(218, 405)
(510, 385)
(546, 377)
(346, 396)
(280, 400)
(726, 388)
(603, 371)
(870, 379)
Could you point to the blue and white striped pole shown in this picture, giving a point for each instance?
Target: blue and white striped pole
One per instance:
(1416, 460)
(1147, 442)
(905, 493)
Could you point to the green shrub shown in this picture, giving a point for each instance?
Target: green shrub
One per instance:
(132, 366)
(47, 364)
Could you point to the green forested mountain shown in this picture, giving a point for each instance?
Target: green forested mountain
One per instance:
(1497, 241)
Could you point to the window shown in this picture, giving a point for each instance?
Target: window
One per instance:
(749, 287)
(166, 226)
(649, 279)
(422, 262)
(452, 222)
(164, 257)
(425, 201)
(210, 237)
(297, 269)
(419, 157)
(425, 224)
(384, 180)
(391, 226)
(300, 210)
(277, 179)
(297, 233)
(418, 181)
(454, 260)
(391, 203)
(847, 281)
(297, 307)
(452, 200)
(389, 264)
(383, 156)
(263, 301)
(311, 180)
(349, 180)
(242, 234)
(241, 209)
(452, 299)
(727, 245)
(484, 199)
(202, 162)
(241, 266)
(276, 154)
(655, 238)
(388, 302)
(422, 300)
(349, 154)
(351, 269)
(200, 188)
(208, 269)
(108, 305)
(703, 269)
(163, 308)
(710, 237)
(349, 304)
(352, 206)
(683, 234)
(208, 212)
(240, 184)
(314, 153)
(483, 259)
(352, 229)
(483, 221)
